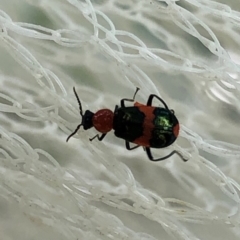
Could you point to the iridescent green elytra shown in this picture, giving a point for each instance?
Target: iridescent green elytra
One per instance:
(131, 124)
(166, 128)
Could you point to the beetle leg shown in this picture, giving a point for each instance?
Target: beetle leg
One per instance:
(116, 108)
(149, 102)
(100, 138)
(149, 154)
(129, 100)
(128, 146)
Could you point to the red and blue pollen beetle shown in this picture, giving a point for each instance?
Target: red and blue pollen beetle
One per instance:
(144, 125)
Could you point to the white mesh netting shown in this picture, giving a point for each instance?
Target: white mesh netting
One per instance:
(185, 51)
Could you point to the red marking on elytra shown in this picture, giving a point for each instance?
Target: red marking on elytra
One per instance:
(137, 104)
(176, 130)
(103, 120)
(148, 124)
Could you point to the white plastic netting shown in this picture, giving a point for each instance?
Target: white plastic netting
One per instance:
(185, 51)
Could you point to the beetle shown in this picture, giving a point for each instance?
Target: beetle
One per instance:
(145, 125)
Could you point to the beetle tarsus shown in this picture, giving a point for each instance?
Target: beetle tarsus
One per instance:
(100, 138)
(150, 99)
(149, 154)
(128, 147)
(129, 100)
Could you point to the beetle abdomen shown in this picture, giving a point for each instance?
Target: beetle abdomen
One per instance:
(146, 126)
(166, 128)
(127, 123)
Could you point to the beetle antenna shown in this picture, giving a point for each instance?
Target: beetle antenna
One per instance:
(81, 113)
(74, 132)
(79, 102)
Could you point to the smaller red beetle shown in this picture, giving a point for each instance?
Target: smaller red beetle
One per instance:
(144, 125)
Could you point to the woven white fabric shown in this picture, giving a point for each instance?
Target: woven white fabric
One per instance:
(187, 52)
